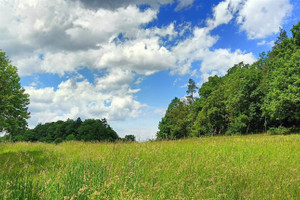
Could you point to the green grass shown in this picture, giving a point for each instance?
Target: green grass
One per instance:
(237, 167)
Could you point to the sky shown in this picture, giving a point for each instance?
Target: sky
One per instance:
(125, 60)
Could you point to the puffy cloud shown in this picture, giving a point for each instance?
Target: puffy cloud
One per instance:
(67, 34)
(259, 25)
(222, 14)
(192, 49)
(110, 96)
(259, 18)
(105, 24)
(144, 56)
(220, 60)
(115, 80)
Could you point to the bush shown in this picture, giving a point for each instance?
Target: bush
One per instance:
(279, 131)
(70, 137)
(19, 138)
(58, 140)
(129, 138)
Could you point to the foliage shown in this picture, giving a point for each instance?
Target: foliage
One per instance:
(129, 138)
(238, 167)
(279, 131)
(89, 130)
(191, 90)
(248, 99)
(13, 99)
(175, 123)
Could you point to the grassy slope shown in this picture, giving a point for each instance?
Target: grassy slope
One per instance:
(239, 167)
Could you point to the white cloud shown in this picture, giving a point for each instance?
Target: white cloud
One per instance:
(260, 18)
(222, 14)
(220, 60)
(67, 34)
(110, 97)
(143, 56)
(197, 47)
(192, 49)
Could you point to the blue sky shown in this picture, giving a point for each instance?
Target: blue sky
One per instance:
(126, 60)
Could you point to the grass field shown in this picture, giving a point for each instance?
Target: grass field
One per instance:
(236, 167)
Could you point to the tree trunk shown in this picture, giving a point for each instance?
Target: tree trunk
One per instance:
(248, 127)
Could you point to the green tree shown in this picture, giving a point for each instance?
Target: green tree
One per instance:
(192, 88)
(13, 99)
(175, 124)
(94, 130)
(129, 138)
(296, 34)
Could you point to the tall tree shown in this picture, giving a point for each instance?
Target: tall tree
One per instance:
(13, 99)
(192, 88)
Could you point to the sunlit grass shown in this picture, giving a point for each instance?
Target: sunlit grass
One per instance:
(239, 167)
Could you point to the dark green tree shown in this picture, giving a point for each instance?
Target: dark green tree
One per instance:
(13, 99)
(176, 123)
(129, 138)
(282, 92)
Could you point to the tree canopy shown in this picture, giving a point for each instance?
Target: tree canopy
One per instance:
(13, 99)
(88, 130)
(248, 99)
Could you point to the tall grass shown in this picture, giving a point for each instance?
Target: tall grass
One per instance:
(239, 167)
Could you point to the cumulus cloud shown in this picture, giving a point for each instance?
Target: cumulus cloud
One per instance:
(144, 56)
(69, 36)
(220, 60)
(61, 28)
(192, 49)
(260, 25)
(258, 18)
(222, 14)
(110, 96)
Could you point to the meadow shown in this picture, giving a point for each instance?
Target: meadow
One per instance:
(225, 167)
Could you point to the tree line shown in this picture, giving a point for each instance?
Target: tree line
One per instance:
(87, 130)
(264, 96)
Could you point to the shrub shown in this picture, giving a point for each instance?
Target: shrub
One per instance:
(58, 140)
(70, 137)
(279, 131)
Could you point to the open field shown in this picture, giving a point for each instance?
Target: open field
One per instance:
(236, 167)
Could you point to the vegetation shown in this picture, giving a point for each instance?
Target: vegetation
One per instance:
(88, 130)
(236, 167)
(13, 100)
(248, 99)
